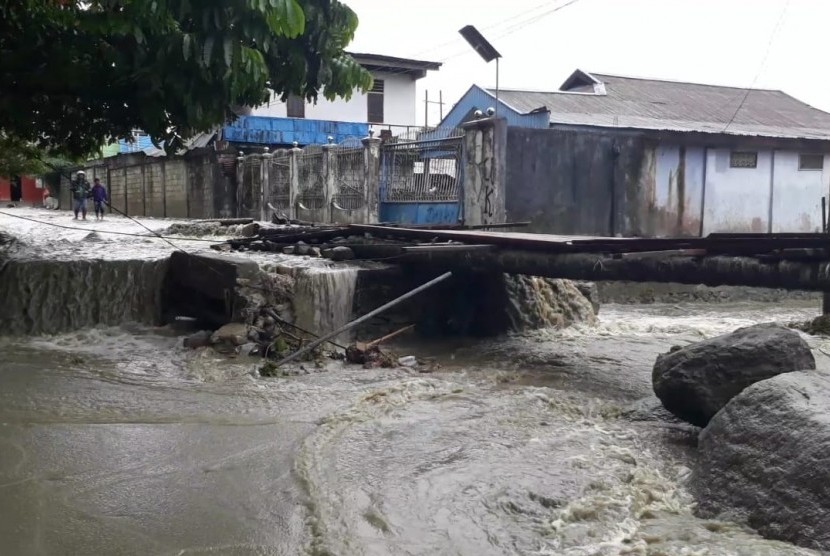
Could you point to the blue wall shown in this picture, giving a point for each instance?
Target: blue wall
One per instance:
(420, 212)
(284, 131)
(477, 98)
(142, 142)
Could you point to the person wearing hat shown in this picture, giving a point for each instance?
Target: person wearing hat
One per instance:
(80, 193)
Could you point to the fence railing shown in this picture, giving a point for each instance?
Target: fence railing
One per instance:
(421, 171)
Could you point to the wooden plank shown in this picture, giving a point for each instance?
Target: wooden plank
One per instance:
(444, 247)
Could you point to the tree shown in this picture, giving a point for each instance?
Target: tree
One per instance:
(79, 73)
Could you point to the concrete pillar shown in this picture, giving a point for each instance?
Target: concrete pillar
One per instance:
(265, 170)
(371, 173)
(484, 172)
(240, 183)
(329, 172)
(294, 179)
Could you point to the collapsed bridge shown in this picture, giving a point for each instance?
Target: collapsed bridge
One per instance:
(781, 261)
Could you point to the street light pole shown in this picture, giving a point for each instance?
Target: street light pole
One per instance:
(485, 50)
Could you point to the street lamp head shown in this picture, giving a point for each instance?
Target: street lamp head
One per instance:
(479, 43)
(477, 114)
(491, 111)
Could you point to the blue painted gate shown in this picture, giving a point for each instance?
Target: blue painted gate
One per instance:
(421, 180)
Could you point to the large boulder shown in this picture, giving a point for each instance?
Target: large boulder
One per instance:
(696, 381)
(766, 458)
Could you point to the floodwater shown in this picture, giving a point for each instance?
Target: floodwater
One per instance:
(116, 440)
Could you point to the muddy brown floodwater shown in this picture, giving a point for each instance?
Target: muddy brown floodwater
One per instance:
(118, 441)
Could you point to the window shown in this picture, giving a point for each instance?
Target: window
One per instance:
(295, 106)
(743, 159)
(375, 103)
(811, 162)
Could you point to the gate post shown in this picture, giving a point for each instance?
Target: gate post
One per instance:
(293, 180)
(240, 185)
(265, 172)
(484, 167)
(371, 174)
(329, 178)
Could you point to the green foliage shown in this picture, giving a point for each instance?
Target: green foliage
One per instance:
(20, 158)
(80, 73)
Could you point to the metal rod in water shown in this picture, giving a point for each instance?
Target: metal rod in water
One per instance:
(364, 318)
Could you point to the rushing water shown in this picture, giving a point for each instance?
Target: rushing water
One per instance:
(118, 441)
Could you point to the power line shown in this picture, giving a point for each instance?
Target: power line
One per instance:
(516, 27)
(763, 64)
(485, 28)
(534, 19)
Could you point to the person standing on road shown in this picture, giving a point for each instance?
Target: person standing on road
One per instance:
(99, 197)
(80, 193)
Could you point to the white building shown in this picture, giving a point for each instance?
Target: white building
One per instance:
(390, 105)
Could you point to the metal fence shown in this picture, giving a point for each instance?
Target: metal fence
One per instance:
(349, 175)
(249, 193)
(421, 171)
(279, 180)
(311, 187)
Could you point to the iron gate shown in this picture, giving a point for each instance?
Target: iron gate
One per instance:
(420, 181)
(279, 181)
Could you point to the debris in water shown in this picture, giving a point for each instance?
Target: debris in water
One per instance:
(407, 361)
(370, 356)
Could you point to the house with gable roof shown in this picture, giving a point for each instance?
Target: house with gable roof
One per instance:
(613, 155)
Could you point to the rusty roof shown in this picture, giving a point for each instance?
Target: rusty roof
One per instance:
(603, 100)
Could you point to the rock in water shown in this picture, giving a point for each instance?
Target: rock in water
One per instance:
(591, 293)
(696, 381)
(233, 333)
(765, 457)
(249, 230)
(198, 339)
(339, 253)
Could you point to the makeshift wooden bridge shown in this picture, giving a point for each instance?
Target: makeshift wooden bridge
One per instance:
(787, 261)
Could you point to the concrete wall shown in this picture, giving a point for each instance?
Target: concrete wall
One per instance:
(483, 160)
(332, 183)
(676, 196)
(737, 199)
(796, 194)
(398, 104)
(563, 182)
(619, 182)
(192, 186)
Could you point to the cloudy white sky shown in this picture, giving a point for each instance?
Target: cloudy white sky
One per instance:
(777, 44)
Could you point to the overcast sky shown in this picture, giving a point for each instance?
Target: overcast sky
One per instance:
(776, 44)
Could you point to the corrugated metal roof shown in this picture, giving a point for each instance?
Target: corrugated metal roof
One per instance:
(675, 106)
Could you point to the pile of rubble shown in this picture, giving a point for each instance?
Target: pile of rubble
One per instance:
(272, 338)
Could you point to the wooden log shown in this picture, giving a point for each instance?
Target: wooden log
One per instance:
(709, 270)
(229, 221)
(310, 235)
(447, 247)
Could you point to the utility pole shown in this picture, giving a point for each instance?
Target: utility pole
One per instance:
(439, 102)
